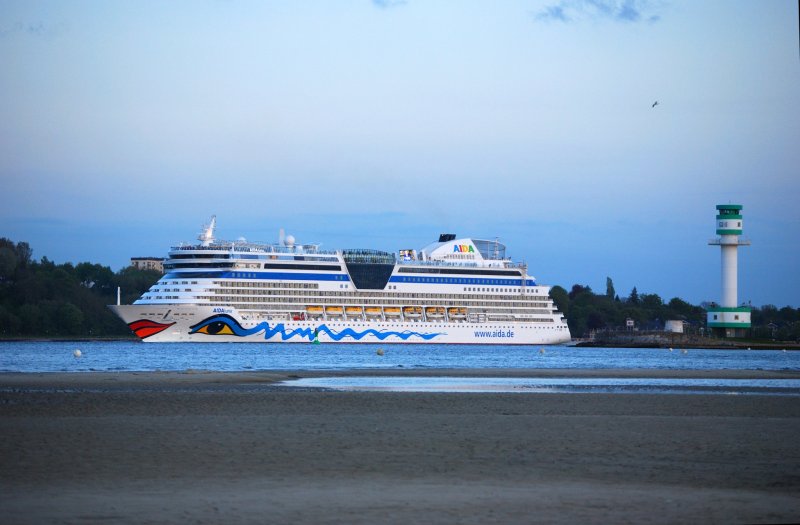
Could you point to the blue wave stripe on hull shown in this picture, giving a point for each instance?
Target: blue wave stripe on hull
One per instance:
(227, 325)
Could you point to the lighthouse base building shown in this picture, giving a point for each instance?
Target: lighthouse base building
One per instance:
(729, 319)
(728, 322)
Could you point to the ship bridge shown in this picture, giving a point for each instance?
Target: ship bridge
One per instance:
(369, 269)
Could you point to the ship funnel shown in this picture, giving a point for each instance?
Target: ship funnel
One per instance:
(207, 236)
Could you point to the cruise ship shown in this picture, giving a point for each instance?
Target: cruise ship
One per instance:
(457, 290)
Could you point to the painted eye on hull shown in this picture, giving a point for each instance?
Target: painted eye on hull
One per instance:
(215, 328)
(217, 325)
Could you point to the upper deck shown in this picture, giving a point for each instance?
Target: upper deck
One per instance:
(448, 252)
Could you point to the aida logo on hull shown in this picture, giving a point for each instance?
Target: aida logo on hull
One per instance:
(463, 248)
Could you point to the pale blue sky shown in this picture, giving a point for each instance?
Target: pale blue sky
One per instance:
(125, 125)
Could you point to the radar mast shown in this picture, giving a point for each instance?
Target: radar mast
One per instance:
(206, 237)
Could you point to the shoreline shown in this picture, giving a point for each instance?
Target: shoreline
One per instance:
(692, 346)
(199, 377)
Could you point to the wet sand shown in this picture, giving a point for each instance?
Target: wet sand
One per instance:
(235, 448)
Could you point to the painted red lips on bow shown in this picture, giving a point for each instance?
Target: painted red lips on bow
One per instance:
(144, 328)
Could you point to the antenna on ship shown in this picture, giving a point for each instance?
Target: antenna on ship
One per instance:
(207, 236)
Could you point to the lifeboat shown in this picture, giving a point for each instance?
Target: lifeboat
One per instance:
(457, 313)
(434, 312)
(373, 311)
(412, 312)
(333, 311)
(353, 311)
(391, 311)
(314, 310)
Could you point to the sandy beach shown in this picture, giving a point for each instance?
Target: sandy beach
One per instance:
(202, 447)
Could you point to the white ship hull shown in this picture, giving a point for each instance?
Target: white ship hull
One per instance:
(169, 324)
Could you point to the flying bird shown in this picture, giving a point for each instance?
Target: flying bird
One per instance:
(654, 104)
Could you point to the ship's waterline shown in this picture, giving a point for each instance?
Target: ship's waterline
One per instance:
(455, 290)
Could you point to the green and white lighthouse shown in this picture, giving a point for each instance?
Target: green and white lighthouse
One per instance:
(729, 319)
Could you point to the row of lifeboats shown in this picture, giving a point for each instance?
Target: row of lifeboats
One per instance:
(387, 312)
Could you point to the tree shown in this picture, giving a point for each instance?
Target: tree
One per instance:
(595, 321)
(12, 257)
(578, 289)
(561, 298)
(33, 320)
(95, 276)
(651, 301)
(68, 319)
(9, 323)
(134, 282)
(8, 263)
(24, 253)
(633, 298)
(610, 293)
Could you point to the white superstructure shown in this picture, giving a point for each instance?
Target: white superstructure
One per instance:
(455, 290)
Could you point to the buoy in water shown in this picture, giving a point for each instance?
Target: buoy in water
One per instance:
(380, 351)
(684, 351)
(77, 353)
(541, 350)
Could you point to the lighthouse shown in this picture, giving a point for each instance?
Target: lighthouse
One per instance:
(729, 319)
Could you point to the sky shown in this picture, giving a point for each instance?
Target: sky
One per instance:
(124, 126)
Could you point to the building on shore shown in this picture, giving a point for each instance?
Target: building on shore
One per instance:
(674, 326)
(148, 263)
(728, 319)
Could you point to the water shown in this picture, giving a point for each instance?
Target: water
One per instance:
(549, 385)
(136, 356)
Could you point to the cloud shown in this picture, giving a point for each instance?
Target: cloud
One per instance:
(34, 29)
(39, 29)
(630, 11)
(387, 4)
(10, 30)
(553, 12)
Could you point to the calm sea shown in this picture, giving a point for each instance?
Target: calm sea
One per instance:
(136, 356)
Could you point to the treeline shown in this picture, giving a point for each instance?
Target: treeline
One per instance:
(44, 299)
(587, 312)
